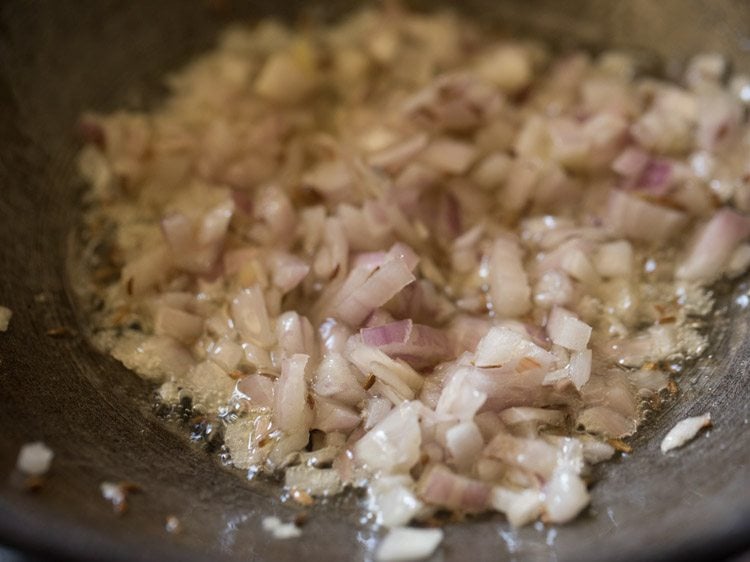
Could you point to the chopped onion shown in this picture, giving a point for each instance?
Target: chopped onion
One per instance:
(291, 411)
(441, 487)
(404, 543)
(251, 316)
(34, 459)
(393, 501)
(418, 345)
(714, 246)
(565, 495)
(505, 347)
(566, 330)
(636, 218)
(392, 446)
(180, 325)
(335, 379)
(684, 431)
(509, 285)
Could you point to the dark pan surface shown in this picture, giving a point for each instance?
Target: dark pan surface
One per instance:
(60, 58)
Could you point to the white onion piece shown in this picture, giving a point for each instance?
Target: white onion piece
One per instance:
(288, 271)
(279, 529)
(375, 410)
(146, 271)
(520, 507)
(291, 412)
(283, 79)
(5, 315)
(464, 442)
(257, 390)
(449, 156)
(404, 543)
(565, 495)
(419, 345)
(441, 487)
(636, 218)
(227, 354)
(392, 372)
(374, 291)
(330, 416)
(335, 379)
(579, 368)
(595, 451)
(333, 179)
(392, 446)
(714, 246)
(459, 398)
(503, 346)
(178, 324)
(509, 286)
(527, 454)
(684, 431)
(34, 459)
(614, 259)
(509, 67)
(568, 331)
(524, 415)
(295, 334)
(631, 162)
(393, 158)
(251, 317)
(393, 501)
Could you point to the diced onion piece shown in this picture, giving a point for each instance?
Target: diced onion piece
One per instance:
(614, 259)
(566, 330)
(281, 530)
(392, 372)
(291, 411)
(502, 346)
(251, 317)
(392, 446)
(34, 459)
(393, 501)
(384, 283)
(284, 79)
(404, 543)
(227, 354)
(509, 286)
(441, 487)
(565, 495)
(636, 218)
(393, 158)
(459, 398)
(335, 379)
(684, 431)
(520, 507)
(449, 156)
(508, 67)
(332, 417)
(579, 368)
(714, 246)
(419, 345)
(464, 442)
(258, 390)
(178, 324)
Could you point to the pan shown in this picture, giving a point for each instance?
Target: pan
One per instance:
(58, 59)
